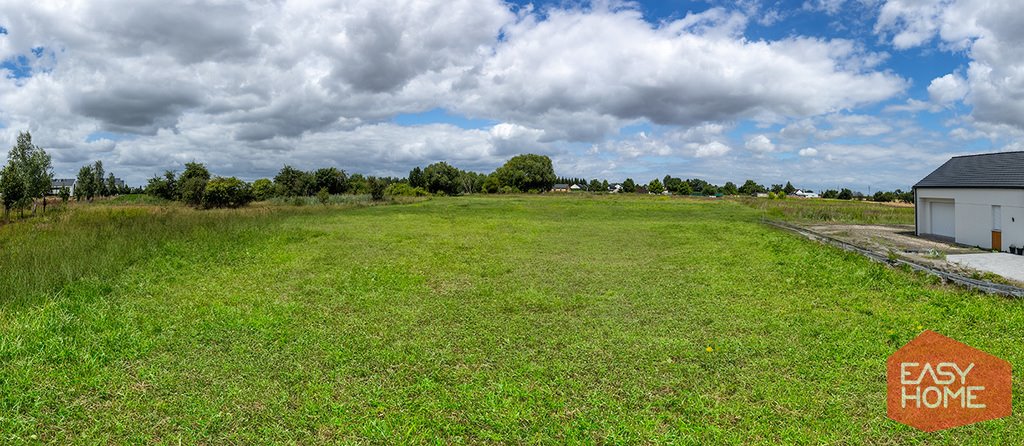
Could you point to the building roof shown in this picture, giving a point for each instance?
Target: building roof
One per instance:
(561, 186)
(988, 170)
(63, 182)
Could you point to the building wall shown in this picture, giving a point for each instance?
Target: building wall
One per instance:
(974, 214)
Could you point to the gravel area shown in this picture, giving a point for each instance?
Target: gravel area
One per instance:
(1007, 265)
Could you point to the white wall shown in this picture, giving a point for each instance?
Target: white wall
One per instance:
(974, 214)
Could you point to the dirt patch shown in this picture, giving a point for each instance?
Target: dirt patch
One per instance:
(900, 241)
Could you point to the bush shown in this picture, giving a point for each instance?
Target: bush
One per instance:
(404, 190)
(377, 186)
(226, 192)
(263, 189)
(292, 182)
(491, 185)
(161, 187)
(509, 190)
(323, 196)
(192, 190)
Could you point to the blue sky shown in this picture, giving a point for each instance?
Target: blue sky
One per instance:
(824, 93)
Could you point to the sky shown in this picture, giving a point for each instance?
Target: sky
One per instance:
(866, 94)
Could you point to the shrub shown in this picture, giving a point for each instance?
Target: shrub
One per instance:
(161, 187)
(226, 192)
(193, 190)
(404, 190)
(377, 186)
(192, 183)
(323, 196)
(263, 189)
(491, 184)
(332, 179)
(292, 182)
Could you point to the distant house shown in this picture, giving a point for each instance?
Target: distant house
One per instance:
(59, 183)
(576, 188)
(761, 195)
(560, 188)
(974, 200)
(615, 188)
(805, 194)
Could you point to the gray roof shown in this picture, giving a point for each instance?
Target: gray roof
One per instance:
(63, 182)
(561, 186)
(988, 170)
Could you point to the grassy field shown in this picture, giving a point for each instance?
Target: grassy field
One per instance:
(831, 211)
(539, 319)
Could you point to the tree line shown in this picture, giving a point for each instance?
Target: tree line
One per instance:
(28, 176)
(90, 184)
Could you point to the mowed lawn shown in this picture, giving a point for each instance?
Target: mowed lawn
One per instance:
(474, 320)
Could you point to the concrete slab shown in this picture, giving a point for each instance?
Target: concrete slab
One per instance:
(1007, 265)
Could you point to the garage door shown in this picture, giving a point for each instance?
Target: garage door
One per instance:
(943, 219)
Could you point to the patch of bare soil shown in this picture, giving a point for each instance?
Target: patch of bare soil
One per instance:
(899, 240)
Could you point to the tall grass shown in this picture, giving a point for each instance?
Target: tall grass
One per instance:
(831, 211)
(39, 256)
(333, 200)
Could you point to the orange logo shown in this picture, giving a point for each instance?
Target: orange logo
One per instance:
(937, 383)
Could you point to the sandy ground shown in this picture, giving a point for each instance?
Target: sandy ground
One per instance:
(901, 241)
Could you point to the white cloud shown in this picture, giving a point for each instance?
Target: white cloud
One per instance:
(512, 139)
(759, 144)
(607, 67)
(947, 89)
(991, 32)
(808, 152)
(912, 106)
(712, 149)
(248, 86)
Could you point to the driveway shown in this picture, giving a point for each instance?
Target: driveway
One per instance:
(1007, 265)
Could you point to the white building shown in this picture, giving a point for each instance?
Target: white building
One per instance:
(60, 183)
(974, 200)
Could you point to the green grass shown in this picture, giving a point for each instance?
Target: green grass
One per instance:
(468, 320)
(338, 199)
(831, 211)
(137, 199)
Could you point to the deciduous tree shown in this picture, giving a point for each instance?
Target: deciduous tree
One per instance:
(629, 186)
(655, 186)
(226, 192)
(12, 188)
(528, 173)
(262, 189)
(332, 179)
(442, 177)
(292, 182)
(85, 185)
